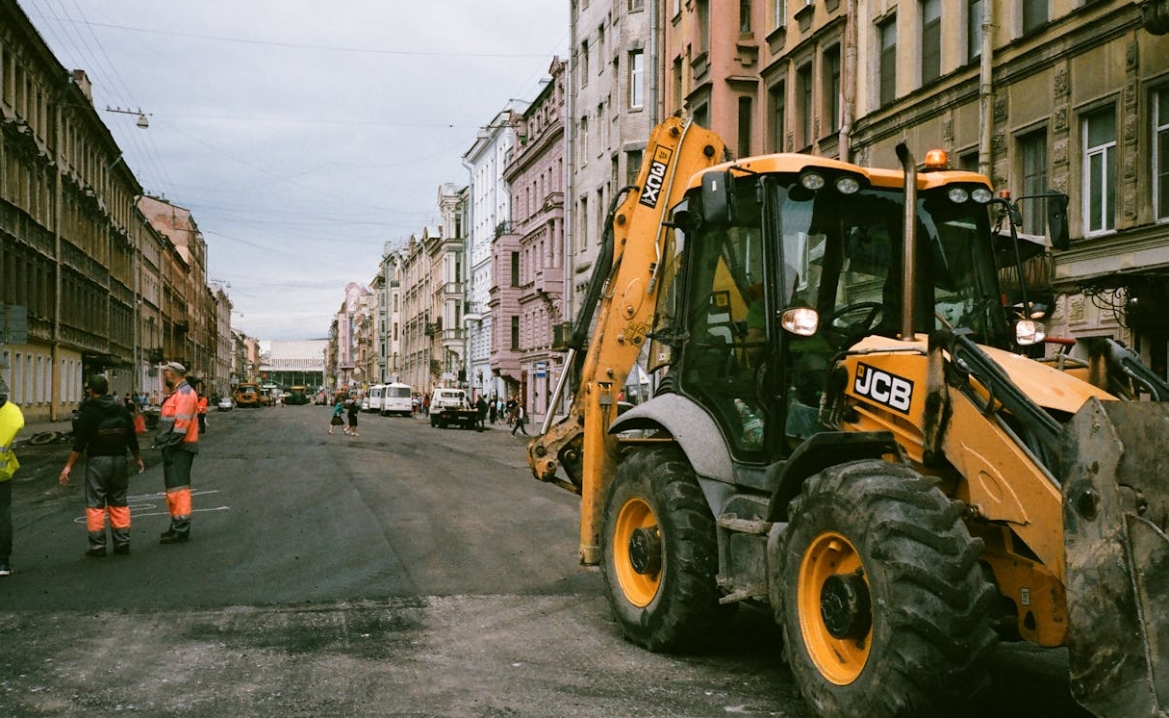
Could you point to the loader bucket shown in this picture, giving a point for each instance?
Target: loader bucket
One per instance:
(1115, 469)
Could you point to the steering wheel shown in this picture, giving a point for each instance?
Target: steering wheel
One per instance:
(846, 330)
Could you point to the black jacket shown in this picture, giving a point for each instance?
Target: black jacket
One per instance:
(104, 428)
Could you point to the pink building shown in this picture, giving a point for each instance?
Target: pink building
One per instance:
(529, 259)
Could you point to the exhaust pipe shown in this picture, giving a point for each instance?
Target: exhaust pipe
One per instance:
(909, 258)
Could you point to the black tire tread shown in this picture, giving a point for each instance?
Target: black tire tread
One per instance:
(938, 603)
(688, 617)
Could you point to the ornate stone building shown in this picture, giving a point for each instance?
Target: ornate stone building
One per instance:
(1063, 95)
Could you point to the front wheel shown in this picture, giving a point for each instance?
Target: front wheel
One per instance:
(660, 554)
(885, 608)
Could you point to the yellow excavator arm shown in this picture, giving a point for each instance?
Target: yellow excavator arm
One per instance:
(628, 277)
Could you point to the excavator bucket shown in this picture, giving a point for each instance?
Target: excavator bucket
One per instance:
(1115, 468)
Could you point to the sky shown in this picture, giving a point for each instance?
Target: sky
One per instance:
(302, 135)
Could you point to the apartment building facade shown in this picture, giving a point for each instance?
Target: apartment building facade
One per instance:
(1040, 95)
(536, 178)
(490, 217)
(611, 108)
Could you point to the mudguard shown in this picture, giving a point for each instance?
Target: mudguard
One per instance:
(1116, 510)
(691, 427)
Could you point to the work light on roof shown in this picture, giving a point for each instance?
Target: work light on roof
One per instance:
(981, 195)
(812, 181)
(847, 184)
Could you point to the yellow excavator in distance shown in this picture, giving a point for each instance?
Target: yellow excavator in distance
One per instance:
(851, 433)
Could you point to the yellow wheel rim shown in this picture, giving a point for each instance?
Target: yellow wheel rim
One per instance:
(831, 558)
(635, 516)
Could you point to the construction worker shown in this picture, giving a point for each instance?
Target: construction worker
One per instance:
(178, 437)
(11, 422)
(202, 394)
(104, 431)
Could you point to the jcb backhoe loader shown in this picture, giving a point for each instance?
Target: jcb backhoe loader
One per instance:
(850, 434)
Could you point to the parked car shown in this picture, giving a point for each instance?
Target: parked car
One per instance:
(225, 404)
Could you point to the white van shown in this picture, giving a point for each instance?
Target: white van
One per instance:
(396, 399)
(375, 398)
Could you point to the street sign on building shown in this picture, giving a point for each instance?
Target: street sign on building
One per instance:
(541, 369)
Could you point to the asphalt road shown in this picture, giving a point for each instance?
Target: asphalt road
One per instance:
(410, 571)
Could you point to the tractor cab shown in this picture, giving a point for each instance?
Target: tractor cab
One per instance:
(787, 261)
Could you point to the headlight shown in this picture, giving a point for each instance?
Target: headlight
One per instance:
(1029, 332)
(847, 185)
(801, 321)
(981, 195)
(812, 181)
(958, 195)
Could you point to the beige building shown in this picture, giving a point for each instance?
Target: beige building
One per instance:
(1041, 95)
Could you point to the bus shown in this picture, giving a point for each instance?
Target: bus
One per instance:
(396, 399)
(374, 398)
(297, 395)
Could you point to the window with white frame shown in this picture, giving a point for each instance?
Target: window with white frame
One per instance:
(636, 79)
(778, 13)
(1099, 132)
(1161, 155)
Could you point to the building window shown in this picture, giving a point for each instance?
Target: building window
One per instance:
(777, 99)
(887, 32)
(1034, 15)
(515, 269)
(584, 140)
(633, 160)
(701, 116)
(804, 88)
(744, 17)
(702, 8)
(515, 334)
(1033, 149)
(1099, 131)
(636, 79)
(831, 70)
(1161, 156)
(973, 30)
(583, 223)
(745, 111)
(636, 5)
(778, 13)
(584, 63)
(931, 40)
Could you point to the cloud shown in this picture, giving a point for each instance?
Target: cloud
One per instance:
(302, 135)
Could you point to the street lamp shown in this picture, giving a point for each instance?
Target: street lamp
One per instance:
(142, 122)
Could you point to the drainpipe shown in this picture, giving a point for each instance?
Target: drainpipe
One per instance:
(848, 81)
(652, 65)
(986, 90)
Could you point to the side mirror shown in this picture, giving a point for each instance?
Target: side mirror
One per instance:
(718, 199)
(1057, 221)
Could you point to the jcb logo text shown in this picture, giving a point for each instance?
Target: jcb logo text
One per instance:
(656, 179)
(884, 388)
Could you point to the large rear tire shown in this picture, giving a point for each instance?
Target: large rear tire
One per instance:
(660, 554)
(886, 612)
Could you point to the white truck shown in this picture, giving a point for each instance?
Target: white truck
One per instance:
(451, 406)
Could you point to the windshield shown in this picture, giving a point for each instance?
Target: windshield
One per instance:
(843, 251)
(840, 254)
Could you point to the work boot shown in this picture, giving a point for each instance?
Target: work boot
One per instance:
(96, 552)
(122, 549)
(172, 536)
